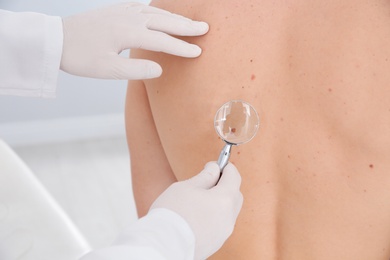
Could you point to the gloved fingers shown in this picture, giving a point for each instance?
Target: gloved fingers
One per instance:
(229, 184)
(231, 178)
(207, 178)
(133, 8)
(133, 69)
(176, 25)
(165, 21)
(147, 9)
(162, 42)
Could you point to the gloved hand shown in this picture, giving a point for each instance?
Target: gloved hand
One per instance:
(210, 210)
(93, 40)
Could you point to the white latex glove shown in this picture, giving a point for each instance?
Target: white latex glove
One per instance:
(210, 210)
(93, 40)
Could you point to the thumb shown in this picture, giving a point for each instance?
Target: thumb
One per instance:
(207, 178)
(231, 178)
(134, 69)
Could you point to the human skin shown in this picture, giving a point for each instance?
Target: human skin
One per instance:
(316, 178)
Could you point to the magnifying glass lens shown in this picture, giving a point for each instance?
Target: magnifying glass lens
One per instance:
(236, 122)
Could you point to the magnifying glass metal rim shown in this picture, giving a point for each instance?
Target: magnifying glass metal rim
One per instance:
(257, 125)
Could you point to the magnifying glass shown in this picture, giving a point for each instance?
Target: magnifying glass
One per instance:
(236, 122)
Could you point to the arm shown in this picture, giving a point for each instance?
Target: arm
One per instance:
(34, 46)
(176, 227)
(151, 172)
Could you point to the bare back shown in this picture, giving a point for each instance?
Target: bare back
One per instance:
(316, 178)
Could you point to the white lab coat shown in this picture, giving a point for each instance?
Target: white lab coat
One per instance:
(30, 55)
(161, 234)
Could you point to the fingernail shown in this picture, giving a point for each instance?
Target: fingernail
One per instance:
(212, 167)
(202, 27)
(195, 50)
(199, 28)
(154, 72)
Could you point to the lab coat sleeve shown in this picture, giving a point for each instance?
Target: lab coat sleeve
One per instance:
(30, 53)
(160, 235)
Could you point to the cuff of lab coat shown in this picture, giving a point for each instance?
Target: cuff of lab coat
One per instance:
(163, 230)
(54, 39)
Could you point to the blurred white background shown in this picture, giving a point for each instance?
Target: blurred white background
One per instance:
(75, 144)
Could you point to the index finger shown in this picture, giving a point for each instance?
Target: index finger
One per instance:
(162, 42)
(176, 25)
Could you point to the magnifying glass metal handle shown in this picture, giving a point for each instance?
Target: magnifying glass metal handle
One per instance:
(224, 156)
